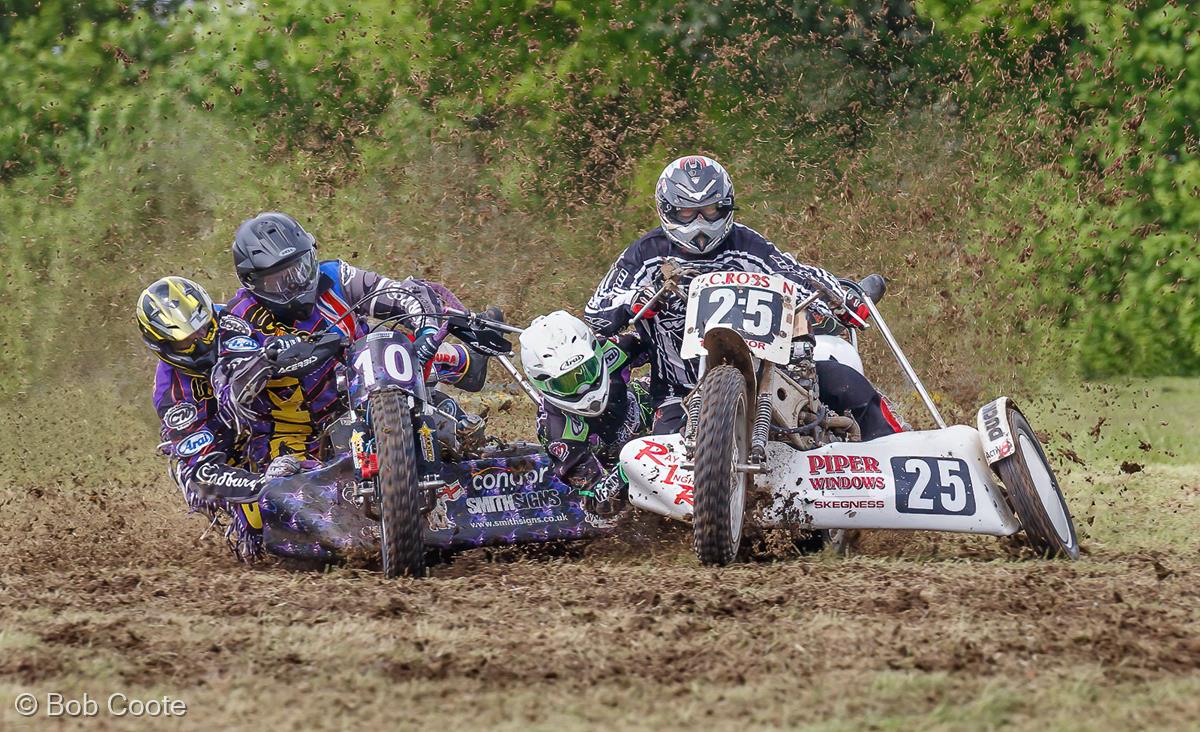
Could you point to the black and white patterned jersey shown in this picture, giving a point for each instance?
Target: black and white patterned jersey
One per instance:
(639, 268)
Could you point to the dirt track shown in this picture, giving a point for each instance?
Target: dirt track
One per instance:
(609, 636)
(105, 590)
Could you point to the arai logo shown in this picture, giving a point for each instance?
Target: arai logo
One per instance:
(241, 343)
(193, 444)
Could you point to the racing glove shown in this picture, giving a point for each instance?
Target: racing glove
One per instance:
(853, 313)
(294, 356)
(607, 496)
(237, 384)
(426, 346)
(641, 301)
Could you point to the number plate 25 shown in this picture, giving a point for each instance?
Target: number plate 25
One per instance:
(383, 358)
(933, 485)
(758, 307)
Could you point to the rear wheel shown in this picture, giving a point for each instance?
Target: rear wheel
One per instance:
(403, 547)
(1035, 494)
(721, 444)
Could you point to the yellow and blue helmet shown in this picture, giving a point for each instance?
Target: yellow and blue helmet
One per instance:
(178, 322)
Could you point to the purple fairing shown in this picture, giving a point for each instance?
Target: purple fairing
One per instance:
(515, 499)
(306, 517)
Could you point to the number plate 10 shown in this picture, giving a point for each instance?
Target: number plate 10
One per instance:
(383, 358)
(758, 307)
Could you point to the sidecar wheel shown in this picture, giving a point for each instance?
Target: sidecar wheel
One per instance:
(720, 489)
(403, 546)
(1035, 495)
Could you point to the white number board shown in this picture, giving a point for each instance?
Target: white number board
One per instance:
(759, 307)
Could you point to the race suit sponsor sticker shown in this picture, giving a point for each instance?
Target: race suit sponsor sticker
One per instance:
(241, 344)
(180, 415)
(194, 443)
(347, 272)
(234, 324)
(213, 475)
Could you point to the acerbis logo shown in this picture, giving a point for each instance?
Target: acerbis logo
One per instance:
(296, 366)
(500, 478)
(180, 415)
(193, 444)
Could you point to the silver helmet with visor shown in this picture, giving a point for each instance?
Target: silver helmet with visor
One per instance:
(565, 362)
(694, 198)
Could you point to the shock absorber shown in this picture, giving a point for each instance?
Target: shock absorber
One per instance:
(693, 415)
(762, 428)
(692, 407)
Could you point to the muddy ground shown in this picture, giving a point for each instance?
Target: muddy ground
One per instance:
(105, 588)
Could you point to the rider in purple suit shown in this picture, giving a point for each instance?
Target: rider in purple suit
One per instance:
(273, 378)
(178, 321)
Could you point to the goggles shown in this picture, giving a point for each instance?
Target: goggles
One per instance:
(712, 213)
(576, 381)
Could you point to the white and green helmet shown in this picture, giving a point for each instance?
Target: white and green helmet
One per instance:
(565, 362)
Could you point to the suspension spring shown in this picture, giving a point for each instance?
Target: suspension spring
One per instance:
(693, 415)
(762, 427)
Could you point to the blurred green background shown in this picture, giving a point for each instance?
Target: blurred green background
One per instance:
(1025, 172)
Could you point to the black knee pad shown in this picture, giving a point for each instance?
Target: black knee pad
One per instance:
(842, 387)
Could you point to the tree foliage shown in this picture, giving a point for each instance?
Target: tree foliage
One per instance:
(1087, 109)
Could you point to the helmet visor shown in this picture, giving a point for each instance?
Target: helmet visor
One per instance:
(288, 282)
(576, 381)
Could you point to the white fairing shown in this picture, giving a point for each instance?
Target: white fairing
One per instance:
(832, 348)
(934, 480)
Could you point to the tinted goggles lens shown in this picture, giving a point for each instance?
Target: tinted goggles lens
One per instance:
(577, 380)
(290, 281)
(711, 213)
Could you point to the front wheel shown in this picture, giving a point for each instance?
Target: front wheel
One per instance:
(1035, 495)
(403, 547)
(721, 444)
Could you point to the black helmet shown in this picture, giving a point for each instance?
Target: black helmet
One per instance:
(694, 197)
(276, 260)
(178, 322)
